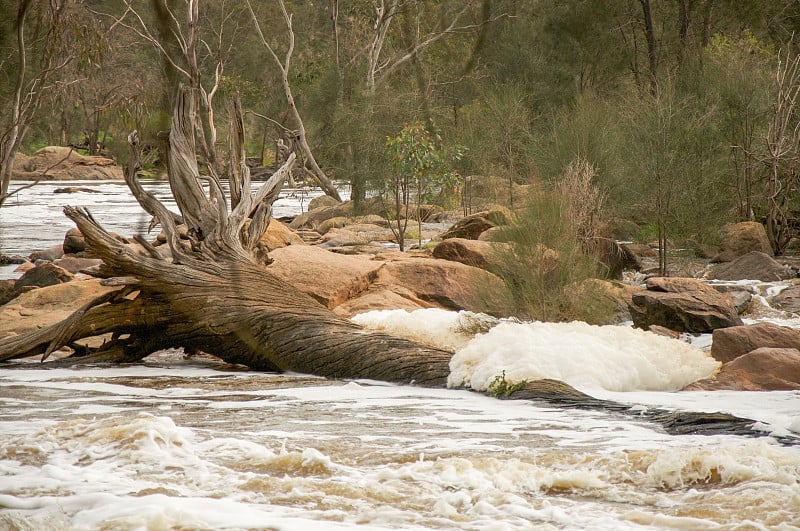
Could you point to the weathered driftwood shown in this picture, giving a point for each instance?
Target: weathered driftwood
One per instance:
(216, 294)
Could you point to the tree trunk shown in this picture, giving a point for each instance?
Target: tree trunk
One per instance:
(216, 294)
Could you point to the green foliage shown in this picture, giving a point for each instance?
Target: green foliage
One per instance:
(421, 168)
(501, 388)
(546, 255)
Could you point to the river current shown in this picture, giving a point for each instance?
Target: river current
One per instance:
(189, 443)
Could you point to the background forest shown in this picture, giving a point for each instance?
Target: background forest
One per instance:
(682, 112)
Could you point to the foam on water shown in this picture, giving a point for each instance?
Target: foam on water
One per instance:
(615, 358)
(325, 455)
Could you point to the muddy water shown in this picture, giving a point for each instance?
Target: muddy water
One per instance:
(186, 444)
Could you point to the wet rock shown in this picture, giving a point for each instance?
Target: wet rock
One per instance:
(51, 253)
(683, 305)
(754, 265)
(788, 300)
(471, 252)
(13, 259)
(733, 342)
(74, 242)
(75, 190)
(763, 369)
(739, 239)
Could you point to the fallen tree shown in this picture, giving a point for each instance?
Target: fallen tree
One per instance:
(215, 293)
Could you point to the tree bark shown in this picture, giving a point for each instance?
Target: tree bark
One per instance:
(216, 294)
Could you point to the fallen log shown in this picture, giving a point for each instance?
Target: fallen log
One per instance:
(216, 294)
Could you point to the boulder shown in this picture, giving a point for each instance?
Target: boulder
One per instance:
(448, 285)
(471, 252)
(738, 239)
(74, 264)
(495, 234)
(63, 163)
(330, 278)
(333, 223)
(382, 297)
(322, 201)
(73, 242)
(763, 369)
(46, 274)
(754, 265)
(313, 218)
(390, 280)
(51, 253)
(730, 343)
(49, 305)
(614, 258)
(279, 235)
(683, 305)
(472, 226)
(788, 300)
(597, 301)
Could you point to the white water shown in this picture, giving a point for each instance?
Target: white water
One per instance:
(620, 358)
(180, 444)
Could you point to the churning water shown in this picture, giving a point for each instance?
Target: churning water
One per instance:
(190, 444)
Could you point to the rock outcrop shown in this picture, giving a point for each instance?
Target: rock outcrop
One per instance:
(763, 369)
(733, 342)
(476, 253)
(739, 239)
(683, 305)
(754, 265)
(63, 163)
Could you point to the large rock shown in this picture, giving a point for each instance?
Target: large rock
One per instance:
(788, 300)
(471, 252)
(471, 227)
(313, 218)
(74, 264)
(683, 305)
(74, 242)
(738, 239)
(601, 302)
(733, 342)
(45, 274)
(279, 235)
(763, 369)
(393, 280)
(45, 306)
(51, 253)
(449, 285)
(63, 163)
(330, 278)
(754, 265)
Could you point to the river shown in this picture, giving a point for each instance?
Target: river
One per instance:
(181, 443)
